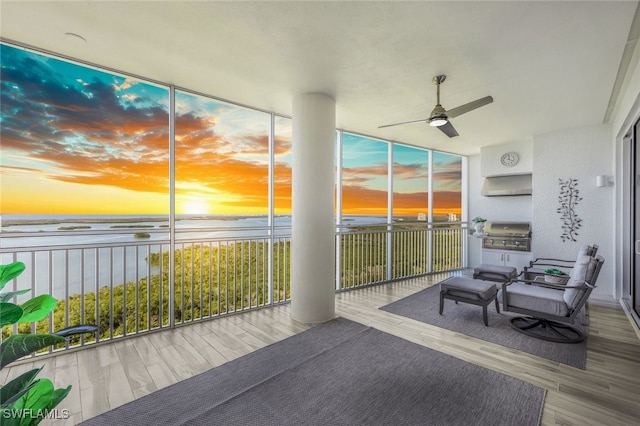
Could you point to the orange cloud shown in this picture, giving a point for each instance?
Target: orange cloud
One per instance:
(359, 200)
(409, 204)
(447, 202)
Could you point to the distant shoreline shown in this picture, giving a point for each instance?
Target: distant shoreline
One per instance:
(57, 221)
(132, 220)
(15, 222)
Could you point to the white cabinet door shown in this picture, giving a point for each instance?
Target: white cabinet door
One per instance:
(493, 257)
(518, 260)
(506, 258)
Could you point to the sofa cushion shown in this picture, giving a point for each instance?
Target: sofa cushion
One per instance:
(536, 298)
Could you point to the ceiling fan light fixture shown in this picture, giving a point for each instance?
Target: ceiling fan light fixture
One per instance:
(438, 121)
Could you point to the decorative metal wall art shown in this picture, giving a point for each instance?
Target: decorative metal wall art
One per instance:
(568, 199)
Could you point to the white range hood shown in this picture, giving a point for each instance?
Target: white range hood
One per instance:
(510, 185)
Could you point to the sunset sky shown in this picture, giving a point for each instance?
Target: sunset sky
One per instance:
(365, 174)
(77, 140)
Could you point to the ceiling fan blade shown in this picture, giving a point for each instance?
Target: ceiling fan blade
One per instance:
(448, 130)
(469, 107)
(424, 120)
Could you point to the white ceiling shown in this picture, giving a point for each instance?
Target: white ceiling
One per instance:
(548, 65)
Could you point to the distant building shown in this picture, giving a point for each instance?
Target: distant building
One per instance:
(422, 217)
(452, 217)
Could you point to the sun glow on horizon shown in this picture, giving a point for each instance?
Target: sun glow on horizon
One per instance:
(193, 205)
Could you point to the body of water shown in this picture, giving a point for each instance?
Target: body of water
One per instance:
(22, 230)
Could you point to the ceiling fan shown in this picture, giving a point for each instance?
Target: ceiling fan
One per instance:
(440, 117)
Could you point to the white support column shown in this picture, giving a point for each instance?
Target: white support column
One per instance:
(312, 225)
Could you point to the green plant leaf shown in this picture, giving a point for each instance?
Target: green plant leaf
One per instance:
(8, 420)
(9, 314)
(58, 396)
(554, 271)
(18, 345)
(37, 308)
(9, 272)
(39, 400)
(5, 297)
(34, 404)
(12, 391)
(12, 415)
(35, 401)
(77, 329)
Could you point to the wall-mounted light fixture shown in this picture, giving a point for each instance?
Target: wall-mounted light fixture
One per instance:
(603, 180)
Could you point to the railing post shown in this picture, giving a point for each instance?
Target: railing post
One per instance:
(430, 237)
(390, 247)
(172, 206)
(271, 207)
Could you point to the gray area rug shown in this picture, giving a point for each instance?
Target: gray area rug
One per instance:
(339, 373)
(464, 318)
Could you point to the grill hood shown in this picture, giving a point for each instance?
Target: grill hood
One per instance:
(496, 186)
(507, 229)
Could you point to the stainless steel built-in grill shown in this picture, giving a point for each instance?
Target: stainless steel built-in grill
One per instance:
(507, 236)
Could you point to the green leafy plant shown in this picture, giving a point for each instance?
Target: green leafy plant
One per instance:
(478, 219)
(553, 271)
(26, 400)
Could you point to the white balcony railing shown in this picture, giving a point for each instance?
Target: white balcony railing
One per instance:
(133, 287)
(375, 254)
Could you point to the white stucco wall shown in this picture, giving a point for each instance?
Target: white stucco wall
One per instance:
(580, 154)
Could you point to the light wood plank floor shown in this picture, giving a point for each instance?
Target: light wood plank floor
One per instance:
(106, 376)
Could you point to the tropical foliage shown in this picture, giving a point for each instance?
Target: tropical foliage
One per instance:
(26, 400)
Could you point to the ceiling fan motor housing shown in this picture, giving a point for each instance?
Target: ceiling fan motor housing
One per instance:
(438, 116)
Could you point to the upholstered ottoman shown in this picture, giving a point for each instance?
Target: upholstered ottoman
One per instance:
(497, 273)
(467, 290)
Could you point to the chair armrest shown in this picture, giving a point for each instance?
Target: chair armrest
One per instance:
(542, 261)
(552, 260)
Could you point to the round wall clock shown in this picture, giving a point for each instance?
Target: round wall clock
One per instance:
(509, 159)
